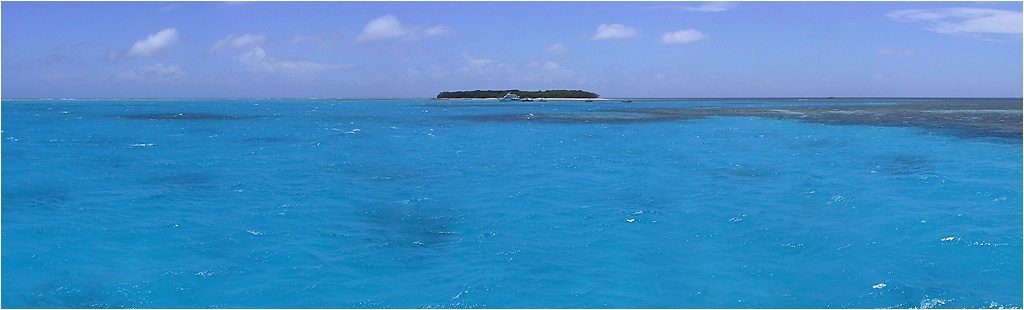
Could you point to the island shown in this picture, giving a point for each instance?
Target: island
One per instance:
(495, 94)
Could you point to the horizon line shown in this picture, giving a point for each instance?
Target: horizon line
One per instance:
(435, 98)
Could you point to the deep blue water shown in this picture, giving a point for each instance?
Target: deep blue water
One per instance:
(412, 204)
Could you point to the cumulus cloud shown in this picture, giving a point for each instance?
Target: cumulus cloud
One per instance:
(487, 69)
(436, 31)
(168, 8)
(545, 72)
(157, 72)
(154, 44)
(613, 31)
(388, 27)
(537, 71)
(477, 65)
(712, 7)
(245, 41)
(963, 21)
(548, 67)
(708, 7)
(317, 40)
(383, 28)
(556, 49)
(683, 36)
(257, 60)
(551, 66)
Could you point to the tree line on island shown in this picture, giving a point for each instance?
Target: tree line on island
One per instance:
(484, 94)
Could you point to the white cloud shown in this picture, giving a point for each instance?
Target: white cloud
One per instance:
(388, 27)
(154, 44)
(708, 7)
(613, 31)
(257, 60)
(963, 21)
(538, 72)
(245, 41)
(157, 72)
(544, 71)
(317, 40)
(383, 28)
(436, 31)
(168, 8)
(487, 69)
(556, 49)
(713, 7)
(477, 65)
(683, 36)
(550, 66)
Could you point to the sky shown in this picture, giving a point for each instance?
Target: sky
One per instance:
(417, 49)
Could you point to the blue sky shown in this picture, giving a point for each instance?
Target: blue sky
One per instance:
(416, 49)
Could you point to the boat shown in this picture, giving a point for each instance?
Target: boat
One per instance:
(509, 97)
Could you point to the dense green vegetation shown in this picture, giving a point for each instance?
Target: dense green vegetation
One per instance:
(555, 93)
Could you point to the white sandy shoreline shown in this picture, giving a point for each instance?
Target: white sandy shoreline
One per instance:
(534, 99)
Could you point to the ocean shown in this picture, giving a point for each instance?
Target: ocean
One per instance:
(726, 203)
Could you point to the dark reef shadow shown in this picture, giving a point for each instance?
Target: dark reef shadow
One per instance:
(968, 118)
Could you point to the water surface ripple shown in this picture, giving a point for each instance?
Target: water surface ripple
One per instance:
(463, 204)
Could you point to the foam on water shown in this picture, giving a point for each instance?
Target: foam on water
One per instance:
(350, 204)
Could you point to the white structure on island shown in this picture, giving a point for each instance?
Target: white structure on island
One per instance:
(509, 97)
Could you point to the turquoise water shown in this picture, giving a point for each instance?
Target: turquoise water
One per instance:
(418, 203)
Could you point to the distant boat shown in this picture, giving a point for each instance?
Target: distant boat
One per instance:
(509, 97)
